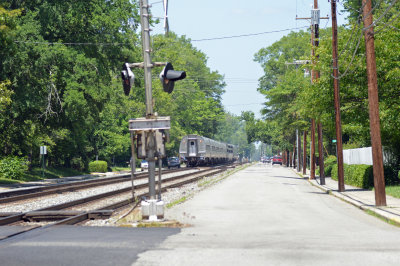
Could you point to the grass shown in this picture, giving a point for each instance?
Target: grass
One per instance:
(393, 191)
(171, 204)
(8, 181)
(382, 218)
(118, 169)
(36, 174)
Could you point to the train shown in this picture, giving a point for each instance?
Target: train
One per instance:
(197, 150)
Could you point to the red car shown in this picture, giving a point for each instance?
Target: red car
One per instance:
(277, 160)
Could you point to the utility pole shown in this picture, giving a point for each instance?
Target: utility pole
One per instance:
(315, 17)
(304, 152)
(377, 156)
(312, 155)
(315, 78)
(321, 155)
(298, 141)
(339, 143)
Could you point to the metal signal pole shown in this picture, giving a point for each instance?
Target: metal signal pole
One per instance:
(144, 16)
(339, 147)
(151, 132)
(377, 156)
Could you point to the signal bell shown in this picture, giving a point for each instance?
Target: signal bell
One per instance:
(168, 76)
(128, 78)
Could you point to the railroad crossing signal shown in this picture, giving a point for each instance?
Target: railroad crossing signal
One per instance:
(128, 78)
(168, 76)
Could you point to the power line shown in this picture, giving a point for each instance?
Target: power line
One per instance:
(388, 24)
(381, 17)
(242, 104)
(246, 35)
(124, 44)
(366, 28)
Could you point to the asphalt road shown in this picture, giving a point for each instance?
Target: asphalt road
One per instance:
(262, 215)
(267, 215)
(76, 245)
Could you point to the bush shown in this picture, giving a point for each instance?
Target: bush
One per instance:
(98, 166)
(361, 175)
(13, 167)
(77, 163)
(328, 164)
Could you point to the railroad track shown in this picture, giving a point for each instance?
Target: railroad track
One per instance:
(24, 194)
(80, 210)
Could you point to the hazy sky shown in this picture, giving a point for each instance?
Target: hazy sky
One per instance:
(233, 57)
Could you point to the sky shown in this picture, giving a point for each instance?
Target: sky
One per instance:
(234, 57)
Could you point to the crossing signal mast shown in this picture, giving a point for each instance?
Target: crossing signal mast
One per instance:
(149, 134)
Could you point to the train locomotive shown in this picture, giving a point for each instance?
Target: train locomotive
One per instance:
(198, 150)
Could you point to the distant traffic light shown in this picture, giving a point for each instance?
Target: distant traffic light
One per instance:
(128, 78)
(168, 76)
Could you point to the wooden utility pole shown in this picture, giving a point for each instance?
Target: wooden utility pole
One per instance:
(312, 155)
(314, 77)
(305, 152)
(339, 144)
(374, 122)
(321, 156)
(287, 158)
(294, 154)
(298, 142)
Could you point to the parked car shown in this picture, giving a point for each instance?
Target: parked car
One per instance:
(268, 160)
(144, 165)
(174, 162)
(277, 160)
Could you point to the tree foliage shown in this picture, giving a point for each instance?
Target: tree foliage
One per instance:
(291, 101)
(60, 66)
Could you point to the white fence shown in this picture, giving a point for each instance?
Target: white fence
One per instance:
(362, 156)
(358, 156)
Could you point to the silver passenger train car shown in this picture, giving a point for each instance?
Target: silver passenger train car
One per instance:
(198, 150)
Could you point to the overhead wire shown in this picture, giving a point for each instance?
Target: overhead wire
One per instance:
(388, 24)
(357, 28)
(198, 40)
(247, 35)
(346, 72)
(381, 17)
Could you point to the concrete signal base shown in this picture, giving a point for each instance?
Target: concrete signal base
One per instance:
(153, 210)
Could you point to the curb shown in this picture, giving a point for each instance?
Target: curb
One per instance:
(387, 216)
